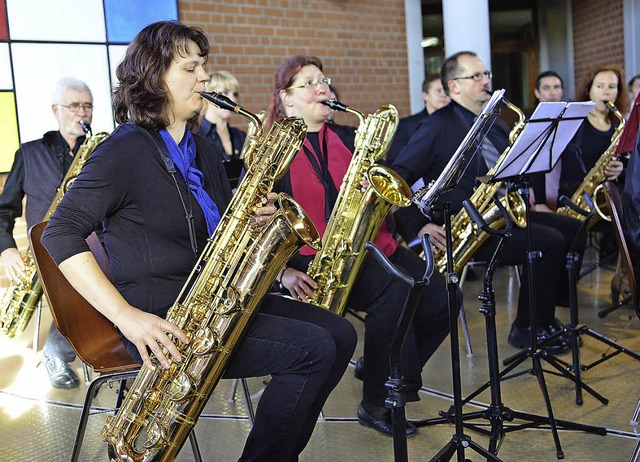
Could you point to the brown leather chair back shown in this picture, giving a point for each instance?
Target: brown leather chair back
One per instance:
(615, 205)
(93, 337)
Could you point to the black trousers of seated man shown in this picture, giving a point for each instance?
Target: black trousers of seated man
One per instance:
(382, 297)
(553, 235)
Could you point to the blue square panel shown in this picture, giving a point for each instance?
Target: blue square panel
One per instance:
(125, 18)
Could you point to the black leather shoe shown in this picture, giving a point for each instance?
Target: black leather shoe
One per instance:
(60, 374)
(359, 371)
(382, 425)
(520, 337)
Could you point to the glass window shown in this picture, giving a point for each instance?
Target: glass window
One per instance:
(8, 130)
(126, 18)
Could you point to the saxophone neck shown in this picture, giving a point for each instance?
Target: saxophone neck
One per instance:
(621, 123)
(339, 106)
(221, 101)
(517, 128)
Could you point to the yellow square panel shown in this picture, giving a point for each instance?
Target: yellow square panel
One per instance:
(8, 130)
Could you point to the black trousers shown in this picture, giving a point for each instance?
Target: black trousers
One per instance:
(382, 297)
(553, 235)
(305, 350)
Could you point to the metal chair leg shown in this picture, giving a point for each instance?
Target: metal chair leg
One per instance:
(85, 372)
(465, 331)
(197, 457)
(463, 316)
(36, 327)
(247, 396)
(92, 391)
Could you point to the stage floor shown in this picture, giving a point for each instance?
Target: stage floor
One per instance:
(38, 422)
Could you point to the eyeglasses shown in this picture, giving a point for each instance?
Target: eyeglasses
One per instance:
(75, 107)
(477, 77)
(312, 83)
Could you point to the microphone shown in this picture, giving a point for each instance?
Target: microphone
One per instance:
(86, 127)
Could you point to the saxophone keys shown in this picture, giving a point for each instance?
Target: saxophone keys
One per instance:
(204, 341)
(180, 387)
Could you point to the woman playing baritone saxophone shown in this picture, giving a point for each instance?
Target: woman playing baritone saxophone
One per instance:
(601, 84)
(313, 180)
(127, 187)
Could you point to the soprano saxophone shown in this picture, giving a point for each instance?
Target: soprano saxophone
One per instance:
(236, 269)
(592, 183)
(22, 295)
(359, 211)
(466, 236)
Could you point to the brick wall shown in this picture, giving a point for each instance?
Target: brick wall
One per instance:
(598, 35)
(362, 44)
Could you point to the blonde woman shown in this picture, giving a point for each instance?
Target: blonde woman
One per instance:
(215, 124)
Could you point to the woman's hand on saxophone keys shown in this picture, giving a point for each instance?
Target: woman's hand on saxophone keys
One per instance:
(263, 214)
(299, 284)
(150, 332)
(613, 170)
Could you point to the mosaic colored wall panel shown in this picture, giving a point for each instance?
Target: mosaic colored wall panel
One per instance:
(44, 41)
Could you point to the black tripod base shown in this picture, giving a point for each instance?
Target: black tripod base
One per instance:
(457, 446)
(516, 421)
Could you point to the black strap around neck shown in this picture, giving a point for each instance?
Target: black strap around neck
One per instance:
(319, 159)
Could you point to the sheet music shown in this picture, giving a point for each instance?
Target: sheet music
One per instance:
(427, 195)
(543, 139)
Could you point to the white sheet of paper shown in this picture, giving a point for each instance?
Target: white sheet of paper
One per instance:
(536, 150)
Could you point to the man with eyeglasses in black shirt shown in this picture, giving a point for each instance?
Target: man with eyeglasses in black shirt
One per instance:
(37, 171)
(467, 81)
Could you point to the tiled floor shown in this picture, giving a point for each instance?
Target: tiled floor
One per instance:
(38, 423)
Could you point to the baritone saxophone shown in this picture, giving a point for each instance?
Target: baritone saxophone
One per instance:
(23, 294)
(359, 211)
(236, 269)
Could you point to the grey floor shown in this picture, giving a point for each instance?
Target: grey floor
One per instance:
(38, 423)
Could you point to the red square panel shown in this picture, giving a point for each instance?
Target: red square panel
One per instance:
(3, 21)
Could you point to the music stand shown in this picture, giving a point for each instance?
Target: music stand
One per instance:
(537, 150)
(425, 199)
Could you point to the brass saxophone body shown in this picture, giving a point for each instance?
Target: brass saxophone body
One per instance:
(592, 183)
(234, 272)
(359, 211)
(22, 295)
(467, 238)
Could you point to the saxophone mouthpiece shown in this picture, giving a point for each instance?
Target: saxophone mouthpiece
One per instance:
(220, 100)
(86, 127)
(335, 105)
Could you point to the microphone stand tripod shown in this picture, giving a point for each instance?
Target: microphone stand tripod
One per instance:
(573, 330)
(397, 390)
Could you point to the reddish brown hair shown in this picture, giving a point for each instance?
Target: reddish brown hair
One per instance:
(283, 78)
(622, 100)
